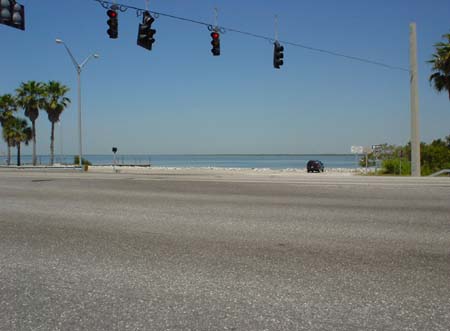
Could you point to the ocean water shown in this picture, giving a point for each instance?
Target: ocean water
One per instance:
(288, 161)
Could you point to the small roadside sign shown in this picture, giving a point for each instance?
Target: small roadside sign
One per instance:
(357, 149)
(377, 148)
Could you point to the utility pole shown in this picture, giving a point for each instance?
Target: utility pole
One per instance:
(415, 136)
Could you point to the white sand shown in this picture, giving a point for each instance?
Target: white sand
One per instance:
(337, 172)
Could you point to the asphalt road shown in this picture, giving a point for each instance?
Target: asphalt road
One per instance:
(190, 252)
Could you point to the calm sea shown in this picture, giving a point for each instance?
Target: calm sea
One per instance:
(221, 161)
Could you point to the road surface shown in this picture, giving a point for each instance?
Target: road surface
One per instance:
(190, 252)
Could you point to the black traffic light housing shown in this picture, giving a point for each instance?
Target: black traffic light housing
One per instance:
(215, 43)
(145, 33)
(113, 23)
(12, 14)
(278, 55)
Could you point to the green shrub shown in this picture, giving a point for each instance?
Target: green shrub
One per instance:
(435, 156)
(392, 167)
(76, 161)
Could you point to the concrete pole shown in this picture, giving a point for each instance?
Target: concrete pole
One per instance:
(415, 135)
(80, 144)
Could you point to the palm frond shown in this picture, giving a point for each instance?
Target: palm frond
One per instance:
(55, 100)
(440, 61)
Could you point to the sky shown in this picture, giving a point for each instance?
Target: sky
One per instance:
(179, 99)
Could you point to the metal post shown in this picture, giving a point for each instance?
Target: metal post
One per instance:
(276, 27)
(401, 157)
(367, 155)
(216, 17)
(34, 146)
(415, 136)
(61, 143)
(78, 68)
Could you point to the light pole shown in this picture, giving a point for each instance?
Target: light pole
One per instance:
(78, 68)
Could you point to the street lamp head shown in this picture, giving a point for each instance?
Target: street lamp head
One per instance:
(59, 41)
(96, 56)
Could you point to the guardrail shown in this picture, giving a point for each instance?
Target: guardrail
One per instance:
(444, 171)
(28, 166)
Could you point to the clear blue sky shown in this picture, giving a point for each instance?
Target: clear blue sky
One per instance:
(178, 98)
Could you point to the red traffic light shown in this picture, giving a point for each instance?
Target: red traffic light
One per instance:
(215, 35)
(111, 13)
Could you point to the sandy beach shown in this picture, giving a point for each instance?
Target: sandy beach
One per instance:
(333, 172)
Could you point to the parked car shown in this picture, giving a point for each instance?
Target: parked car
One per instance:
(314, 165)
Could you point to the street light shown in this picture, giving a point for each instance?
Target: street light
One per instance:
(78, 68)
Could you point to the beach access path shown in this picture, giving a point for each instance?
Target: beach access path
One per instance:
(222, 250)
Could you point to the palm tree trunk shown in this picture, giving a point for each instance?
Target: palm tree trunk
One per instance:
(52, 144)
(18, 154)
(34, 142)
(8, 160)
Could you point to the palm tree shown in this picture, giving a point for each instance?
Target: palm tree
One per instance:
(55, 103)
(8, 105)
(7, 135)
(17, 132)
(441, 66)
(30, 98)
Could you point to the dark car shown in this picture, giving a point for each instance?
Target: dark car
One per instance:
(314, 165)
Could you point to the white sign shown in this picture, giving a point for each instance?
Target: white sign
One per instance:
(357, 149)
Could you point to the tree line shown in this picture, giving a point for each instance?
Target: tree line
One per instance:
(396, 160)
(31, 97)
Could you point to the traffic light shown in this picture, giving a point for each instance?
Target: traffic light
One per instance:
(12, 14)
(215, 43)
(145, 33)
(277, 55)
(113, 23)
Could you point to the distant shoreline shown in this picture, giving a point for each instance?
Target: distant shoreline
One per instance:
(143, 154)
(262, 161)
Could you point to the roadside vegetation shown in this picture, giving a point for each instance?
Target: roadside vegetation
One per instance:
(16, 132)
(76, 160)
(396, 160)
(31, 97)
